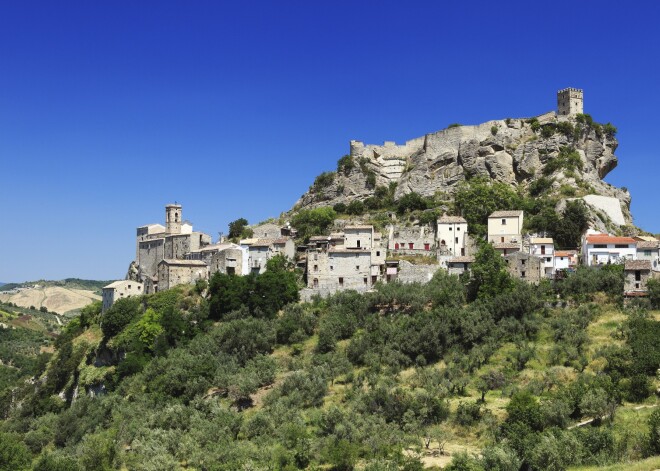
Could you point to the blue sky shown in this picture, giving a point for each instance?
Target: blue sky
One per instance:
(110, 110)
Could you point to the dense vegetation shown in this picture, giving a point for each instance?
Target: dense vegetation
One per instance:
(237, 375)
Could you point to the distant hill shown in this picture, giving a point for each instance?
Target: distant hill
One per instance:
(61, 296)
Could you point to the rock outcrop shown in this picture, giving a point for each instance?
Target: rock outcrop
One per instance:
(514, 151)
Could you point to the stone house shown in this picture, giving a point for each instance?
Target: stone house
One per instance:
(544, 248)
(505, 231)
(119, 290)
(262, 250)
(353, 259)
(601, 249)
(179, 272)
(411, 240)
(175, 240)
(524, 266)
(649, 250)
(459, 265)
(228, 260)
(636, 276)
(452, 236)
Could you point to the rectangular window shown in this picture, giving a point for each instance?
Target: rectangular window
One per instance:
(522, 274)
(378, 253)
(620, 246)
(450, 228)
(458, 228)
(600, 246)
(411, 245)
(366, 282)
(522, 262)
(638, 275)
(457, 240)
(357, 267)
(341, 281)
(504, 222)
(427, 246)
(331, 268)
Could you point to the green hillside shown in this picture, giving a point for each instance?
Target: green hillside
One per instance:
(474, 374)
(70, 283)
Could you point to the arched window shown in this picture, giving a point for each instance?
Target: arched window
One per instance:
(176, 217)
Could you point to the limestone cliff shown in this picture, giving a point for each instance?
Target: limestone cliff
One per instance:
(514, 151)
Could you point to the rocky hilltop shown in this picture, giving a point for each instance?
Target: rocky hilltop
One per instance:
(566, 152)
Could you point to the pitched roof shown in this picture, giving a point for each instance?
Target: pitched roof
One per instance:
(463, 259)
(541, 240)
(645, 244)
(565, 253)
(637, 265)
(646, 238)
(118, 283)
(184, 263)
(506, 245)
(506, 214)
(444, 219)
(607, 239)
(263, 243)
(358, 227)
(342, 249)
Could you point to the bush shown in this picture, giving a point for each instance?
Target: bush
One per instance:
(14, 455)
(410, 202)
(345, 164)
(311, 222)
(120, 314)
(339, 208)
(323, 181)
(355, 208)
(468, 413)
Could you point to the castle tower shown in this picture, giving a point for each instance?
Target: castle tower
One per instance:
(570, 101)
(173, 218)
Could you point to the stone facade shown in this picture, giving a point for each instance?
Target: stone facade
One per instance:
(228, 261)
(416, 273)
(524, 266)
(649, 250)
(459, 265)
(119, 290)
(570, 101)
(411, 240)
(179, 272)
(174, 241)
(353, 259)
(637, 273)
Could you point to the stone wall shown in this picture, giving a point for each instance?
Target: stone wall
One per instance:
(413, 273)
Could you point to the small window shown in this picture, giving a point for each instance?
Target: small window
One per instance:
(357, 267)
(504, 222)
(457, 240)
(600, 246)
(316, 268)
(378, 253)
(331, 268)
(620, 246)
(522, 274)
(458, 228)
(341, 281)
(366, 282)
(522, 262)
(411, 245)
(450, 228)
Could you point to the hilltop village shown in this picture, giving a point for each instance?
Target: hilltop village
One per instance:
(354, 255)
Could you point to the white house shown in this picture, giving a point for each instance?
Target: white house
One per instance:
(452, 231)
(544, 248)
(565, 259)
(601, 249)
(119, 290)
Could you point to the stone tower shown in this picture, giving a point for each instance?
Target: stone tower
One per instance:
(569, 101)
(173, 218)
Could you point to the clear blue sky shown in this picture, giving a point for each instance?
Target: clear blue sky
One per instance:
(110, 110)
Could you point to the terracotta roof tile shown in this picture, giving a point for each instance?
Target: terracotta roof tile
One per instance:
(607, 239)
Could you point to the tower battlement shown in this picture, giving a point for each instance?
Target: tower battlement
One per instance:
(570, 101)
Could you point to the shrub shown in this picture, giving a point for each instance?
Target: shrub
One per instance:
(339, 208)
(355, 208)
(119, 316)
(345, 164)
(323, 181)
(493, 130)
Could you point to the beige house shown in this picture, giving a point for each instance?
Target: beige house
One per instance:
(524, 266)
(119, 290)
(411, 240)
(505, 230)
(180, 272)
